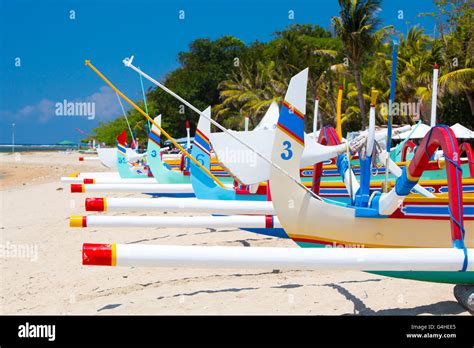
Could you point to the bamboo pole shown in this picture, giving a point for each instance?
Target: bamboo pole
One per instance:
(338, 113)
(136, 107)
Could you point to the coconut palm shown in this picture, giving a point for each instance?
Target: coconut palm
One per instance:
(248, 92)
(355, 26)
(457, 79)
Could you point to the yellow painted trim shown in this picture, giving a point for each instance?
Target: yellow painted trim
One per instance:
(380, 165)
(440, 198)
(466, 181)
(113, 261)
(293, 137)
(75, 221)
(373, 98)
(73, 175)
(338, 113)
(105, 204)
(411, 177)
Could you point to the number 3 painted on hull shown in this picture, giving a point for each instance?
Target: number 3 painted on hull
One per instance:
(289, 153)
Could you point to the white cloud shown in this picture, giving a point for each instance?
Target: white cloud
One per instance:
(43, 111)
(106, 107)
(106, 103)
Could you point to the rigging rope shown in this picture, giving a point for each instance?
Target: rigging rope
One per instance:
(129, 64)
(170, 138)
(144, 100)
(125, 115)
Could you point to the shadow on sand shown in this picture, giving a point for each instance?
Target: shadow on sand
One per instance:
(439, 308)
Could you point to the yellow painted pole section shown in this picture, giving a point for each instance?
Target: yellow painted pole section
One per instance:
(89, 64)
(113, 261)
(338, 113)
(373, 99)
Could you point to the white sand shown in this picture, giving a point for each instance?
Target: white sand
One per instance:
(35, 213)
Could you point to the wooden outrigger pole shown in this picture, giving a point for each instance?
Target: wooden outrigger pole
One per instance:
(170, 138)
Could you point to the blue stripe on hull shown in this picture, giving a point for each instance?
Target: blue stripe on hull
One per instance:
(273, 232)
(291, 122)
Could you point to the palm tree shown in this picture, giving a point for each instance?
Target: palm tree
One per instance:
(459, 79)
(356, 26)
(248, 92)
(417, 55)
(263, 73)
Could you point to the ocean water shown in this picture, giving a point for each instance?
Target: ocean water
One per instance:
(36, 147)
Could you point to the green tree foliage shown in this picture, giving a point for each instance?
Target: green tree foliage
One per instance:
(240, 80)
(356, 27)
(263, 77)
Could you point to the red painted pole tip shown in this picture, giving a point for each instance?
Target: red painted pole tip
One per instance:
(77, 188)
(95, 204)
(436, 66)
(81, 158)
(187, 124)
(97, 254)
(89, 181)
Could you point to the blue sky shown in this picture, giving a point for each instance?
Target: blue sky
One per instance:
(52, 49)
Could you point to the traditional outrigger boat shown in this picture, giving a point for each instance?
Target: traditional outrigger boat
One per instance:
(434, 176)
(204, 184)
(414, 248)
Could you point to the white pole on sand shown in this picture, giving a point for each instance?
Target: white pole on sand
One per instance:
(367, 259)
(229, 221)
(181, 205)
(141, 188)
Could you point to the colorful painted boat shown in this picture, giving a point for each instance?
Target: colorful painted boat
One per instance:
(127, 167)
(314, 222)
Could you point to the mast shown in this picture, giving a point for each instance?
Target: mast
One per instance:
(393, 83)
(338, 113)
(144, 101)
(315, 119)
(391, 100)
(188, 134)
(434, 96)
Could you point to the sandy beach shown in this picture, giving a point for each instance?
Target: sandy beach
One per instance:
(50, 278)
